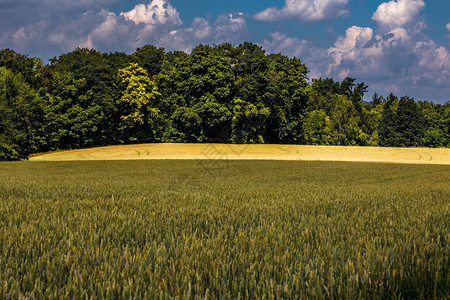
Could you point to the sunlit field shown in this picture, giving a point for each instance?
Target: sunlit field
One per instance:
(253, 152)
(223, 229)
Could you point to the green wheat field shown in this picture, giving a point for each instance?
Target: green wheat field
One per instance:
(224, 229)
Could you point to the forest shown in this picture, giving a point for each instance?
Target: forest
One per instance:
(216, 94)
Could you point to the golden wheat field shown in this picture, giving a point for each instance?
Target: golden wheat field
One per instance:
(252, 152)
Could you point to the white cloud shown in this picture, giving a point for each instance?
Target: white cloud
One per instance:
(355, 38)
(316, 59)
(305, 10)
(400, 61)
(369, 55)
(157, 22)
(200, 29)
(230, 27)
(157, 12)
(448, 26)
(393, 14)
(395, 57)
(281, 43)
(227, 28)
(106, 31)
(433, 64)
(19, 35)
(186, 38)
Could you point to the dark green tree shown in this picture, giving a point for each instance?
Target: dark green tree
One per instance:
(29, 67)
(286, 95)
(410, 123)
(387, 130)
(21, 117)
(150, 58)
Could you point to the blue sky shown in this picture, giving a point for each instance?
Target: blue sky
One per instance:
(399, 46)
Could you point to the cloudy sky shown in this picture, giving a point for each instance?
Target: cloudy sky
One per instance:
(399, 46)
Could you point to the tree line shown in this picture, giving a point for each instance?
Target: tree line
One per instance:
(217, 93)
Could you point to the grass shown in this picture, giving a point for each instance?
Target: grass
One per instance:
(224, 229)
(253, 152)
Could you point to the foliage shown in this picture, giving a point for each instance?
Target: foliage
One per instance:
(388, 125)
(249, 229)
(21, 116)
(248, 122)
(139, 99)
(402, 123)
(437, 132)
(97, 92)
(217, 93)
(316, 128)
(409, 123)
(28, 67)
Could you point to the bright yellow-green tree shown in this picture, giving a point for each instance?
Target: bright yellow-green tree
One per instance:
(248, 123)
(138, 102)
(317, 128)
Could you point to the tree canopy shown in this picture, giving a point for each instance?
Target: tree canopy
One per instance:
(217, 93)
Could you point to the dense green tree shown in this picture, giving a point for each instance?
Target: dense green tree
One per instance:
(317, 128)
(184, 126)
(92, 67)
(342, 102)
(71, 119)
(286, 95)
(371, 118)
(117, 61)
(173, 82)
(409, 123)
(215, 119)
(248, 125)
(21, 116)
(29, 67)
(377, 100)
(344, 123)
(387, 130)
(211, 74)
(150, 58)
(436, 131)
(249, 69)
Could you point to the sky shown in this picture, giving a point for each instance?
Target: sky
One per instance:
(398, 46)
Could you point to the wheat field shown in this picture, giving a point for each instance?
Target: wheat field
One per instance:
(223, 229)
(252, 152)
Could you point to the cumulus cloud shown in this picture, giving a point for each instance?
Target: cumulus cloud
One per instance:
(397, 53)
(448, 26)
(369, 55)
(227, 28)
(96, 28)
(393, 14)
(156, 22)
(396, 56)
(230, 27)
(316, 59)
(305, 10)
(281, 43)
(402, 60)
(185, 39)
(157, 12)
